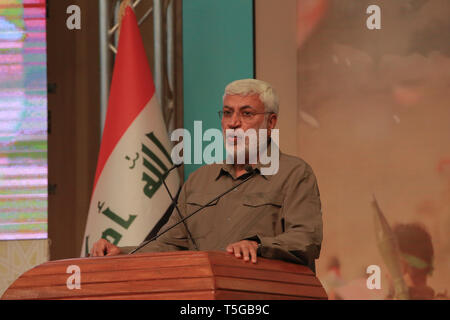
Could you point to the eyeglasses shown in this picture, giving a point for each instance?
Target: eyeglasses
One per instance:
(244, 115)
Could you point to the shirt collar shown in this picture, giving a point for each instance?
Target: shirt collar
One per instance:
(228, 169)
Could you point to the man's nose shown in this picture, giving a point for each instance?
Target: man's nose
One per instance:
(235, 121)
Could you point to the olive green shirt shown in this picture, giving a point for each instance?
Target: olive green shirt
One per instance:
(282, 212)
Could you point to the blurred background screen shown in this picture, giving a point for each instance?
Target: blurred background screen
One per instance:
(23, 120)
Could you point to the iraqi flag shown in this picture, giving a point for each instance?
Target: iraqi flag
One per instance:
(128, 198)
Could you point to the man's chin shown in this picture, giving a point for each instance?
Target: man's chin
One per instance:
(235, 153)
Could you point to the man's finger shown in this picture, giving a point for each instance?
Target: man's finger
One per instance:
(245, 252)
(237, 251)
(113, 250)
(99, 250)
(253, 253)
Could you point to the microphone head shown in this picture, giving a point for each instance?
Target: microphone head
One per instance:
(249, 168)
(175, 166)
(179, 164)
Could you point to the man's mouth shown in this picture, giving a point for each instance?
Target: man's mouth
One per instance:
(233, 140)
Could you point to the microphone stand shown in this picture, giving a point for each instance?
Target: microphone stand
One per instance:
(179, 214)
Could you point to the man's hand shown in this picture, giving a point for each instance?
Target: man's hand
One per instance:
(103, 247)
(245, 248)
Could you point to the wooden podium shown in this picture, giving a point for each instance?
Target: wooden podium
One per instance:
(181, 275)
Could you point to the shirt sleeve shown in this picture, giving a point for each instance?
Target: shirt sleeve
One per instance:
(302, 236)
(175, 239)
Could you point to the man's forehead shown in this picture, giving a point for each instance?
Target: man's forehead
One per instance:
(251, 100)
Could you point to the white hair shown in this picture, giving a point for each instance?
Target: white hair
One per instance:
(264, 90)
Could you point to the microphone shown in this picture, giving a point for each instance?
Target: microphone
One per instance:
(247, 168)
(176, 204)
(174, 167)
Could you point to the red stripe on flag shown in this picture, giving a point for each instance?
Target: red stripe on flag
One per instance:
(132, 88)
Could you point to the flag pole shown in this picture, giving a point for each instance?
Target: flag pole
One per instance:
(123, 6)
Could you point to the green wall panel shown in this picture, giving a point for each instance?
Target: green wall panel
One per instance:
(218, 47)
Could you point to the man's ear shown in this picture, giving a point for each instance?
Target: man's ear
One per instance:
(272, 121)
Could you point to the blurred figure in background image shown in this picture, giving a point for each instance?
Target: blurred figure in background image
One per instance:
(333, 278)
(444, 206)
(416, 256)
(356, 289)
(377, 100)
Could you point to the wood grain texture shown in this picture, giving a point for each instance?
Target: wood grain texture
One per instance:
(183, 275)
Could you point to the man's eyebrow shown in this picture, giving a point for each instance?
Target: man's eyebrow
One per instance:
(243, 107)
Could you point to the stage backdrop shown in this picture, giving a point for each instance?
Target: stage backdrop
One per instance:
(217, 49)
(23, 137)
(374, 119)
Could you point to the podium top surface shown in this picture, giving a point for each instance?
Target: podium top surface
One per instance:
(176, 275)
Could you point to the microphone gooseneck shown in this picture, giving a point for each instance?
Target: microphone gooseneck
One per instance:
(248, 168)
(176, 205)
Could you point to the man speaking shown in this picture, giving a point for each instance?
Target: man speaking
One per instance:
(269, 213)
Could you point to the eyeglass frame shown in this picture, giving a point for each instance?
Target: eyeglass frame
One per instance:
(221, 113)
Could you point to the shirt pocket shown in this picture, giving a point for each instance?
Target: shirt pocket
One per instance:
(263, 213)
(261, 199)
(201, 199)
(201, 224)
